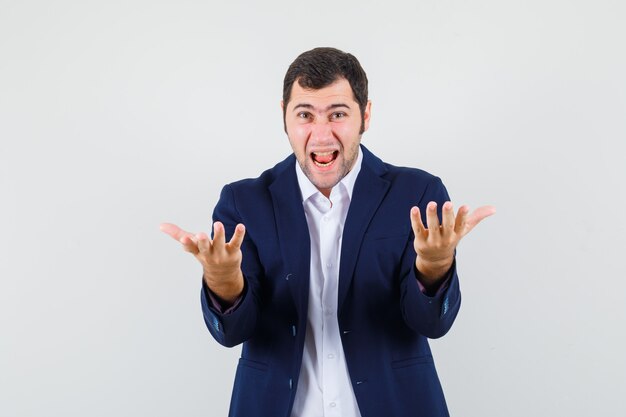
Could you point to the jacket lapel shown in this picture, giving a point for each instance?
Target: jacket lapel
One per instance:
(293, 234)
(369, 191)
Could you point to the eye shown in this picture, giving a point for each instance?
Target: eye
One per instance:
(304, 115)
(338, 115)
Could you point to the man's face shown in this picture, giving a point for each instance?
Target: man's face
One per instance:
(324, 130)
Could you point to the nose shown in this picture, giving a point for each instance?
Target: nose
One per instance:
(321, 130)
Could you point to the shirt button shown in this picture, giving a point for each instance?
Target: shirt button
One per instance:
(328, 265)
(332, 404)
(326, 218)
(331, 356)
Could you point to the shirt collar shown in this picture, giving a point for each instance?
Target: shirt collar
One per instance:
(307, 189)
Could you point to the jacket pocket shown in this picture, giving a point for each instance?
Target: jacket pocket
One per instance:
(253, 364)
(398, 232)
(403, 363)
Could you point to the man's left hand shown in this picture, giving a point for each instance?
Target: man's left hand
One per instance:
(435, 244)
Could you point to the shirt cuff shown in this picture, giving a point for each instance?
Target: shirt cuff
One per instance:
(220, 306)
(442, 286)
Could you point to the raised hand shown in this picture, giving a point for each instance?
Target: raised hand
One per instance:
(221, 260)
(435, 244)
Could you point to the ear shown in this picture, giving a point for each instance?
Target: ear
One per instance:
(282, 113)
(367, 115)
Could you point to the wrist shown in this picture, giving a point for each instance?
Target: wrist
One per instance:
(227, 289)
(431, 272)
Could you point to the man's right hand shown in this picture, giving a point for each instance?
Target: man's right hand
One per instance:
(221, 261)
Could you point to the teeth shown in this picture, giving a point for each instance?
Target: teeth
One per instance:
(319, 164)
(328, 155)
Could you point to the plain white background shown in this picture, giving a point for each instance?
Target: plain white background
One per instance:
(116, 116)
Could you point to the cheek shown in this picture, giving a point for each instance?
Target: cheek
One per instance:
(298, 138)
(346, 133)
(299, 134)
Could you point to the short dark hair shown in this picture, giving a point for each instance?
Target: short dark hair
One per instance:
(319, 68)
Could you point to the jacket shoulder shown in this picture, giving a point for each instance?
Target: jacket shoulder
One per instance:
(400, 172)
(251, 197)
(414, 180)
(263, 181)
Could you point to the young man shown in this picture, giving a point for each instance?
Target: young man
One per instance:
(333, 267)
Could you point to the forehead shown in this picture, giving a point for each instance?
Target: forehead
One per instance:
(338, 91)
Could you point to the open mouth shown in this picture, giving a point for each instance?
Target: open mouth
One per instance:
(324, 159)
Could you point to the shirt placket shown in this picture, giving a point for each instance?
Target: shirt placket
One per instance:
(328, 246)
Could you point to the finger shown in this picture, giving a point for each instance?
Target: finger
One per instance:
(189, 244)
(219, 239)
(185, 238)
(461, 219)
(447, 217)
(432, 219)
(237, 239)
(479, 215)
(174, 231)
(416, 223)
(204, 243)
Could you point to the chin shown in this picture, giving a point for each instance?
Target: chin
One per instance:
(326, 183)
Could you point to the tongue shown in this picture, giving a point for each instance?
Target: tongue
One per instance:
(323, 159)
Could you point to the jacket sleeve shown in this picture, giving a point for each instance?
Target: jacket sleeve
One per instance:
(431, 316)
(236, 325)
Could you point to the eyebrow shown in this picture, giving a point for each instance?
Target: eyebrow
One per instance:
(310, 106)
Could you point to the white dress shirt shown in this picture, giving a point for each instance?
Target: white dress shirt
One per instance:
(324, 387)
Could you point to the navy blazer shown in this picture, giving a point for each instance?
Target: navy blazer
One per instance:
(384, 318)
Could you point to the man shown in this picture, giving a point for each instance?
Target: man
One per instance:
(332, 268)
